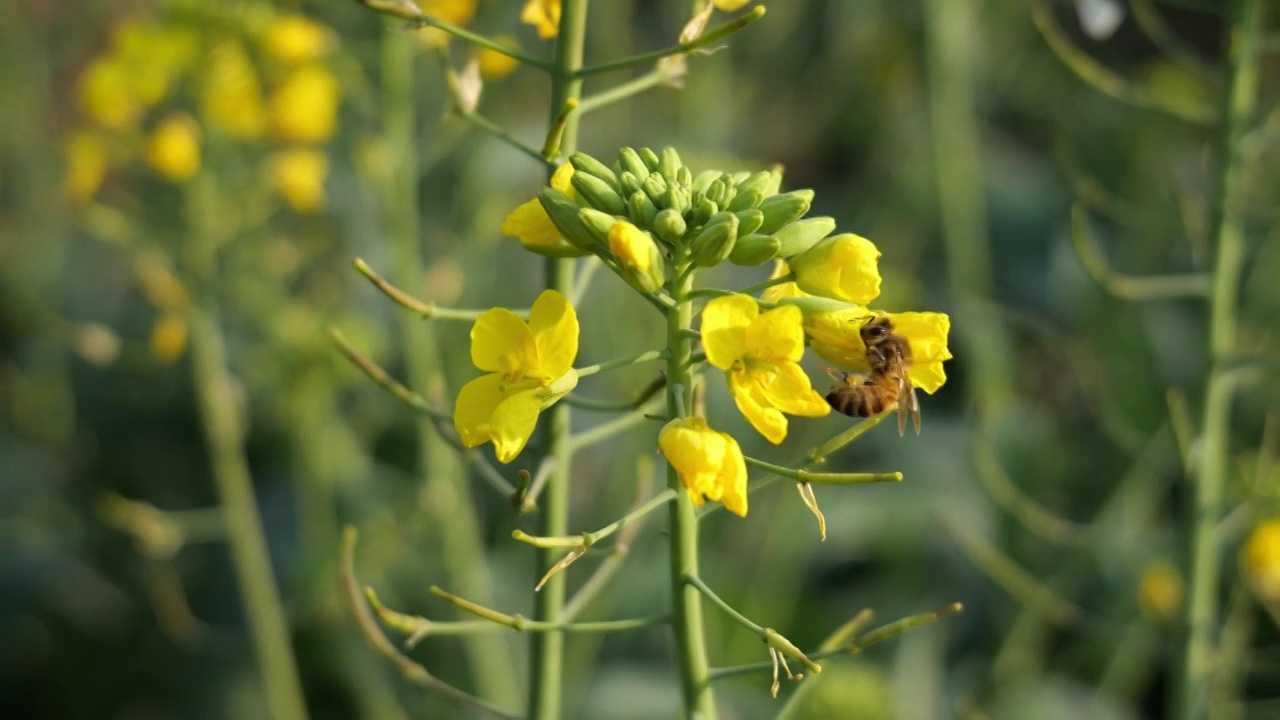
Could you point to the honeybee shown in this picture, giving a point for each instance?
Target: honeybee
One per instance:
(889, 358)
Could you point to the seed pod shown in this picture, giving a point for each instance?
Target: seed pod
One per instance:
(670, 225)
(745, 200)
(669, 163)
(754, 249)
(715, 243)
(630, 162)
(782, 210)
(584, 163)
(749, 221)
(597, 223)
(598, 193)
(650, 159)
(643, 211)
(564, 215)
(803, 234)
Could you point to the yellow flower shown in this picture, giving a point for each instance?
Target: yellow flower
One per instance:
(305, 106)
(298, 175)
(843, 267)
(105, 92)
(835, 338)
(296, 39)
(230, 96)
(709, 463)
(86, 162)
(495, 65)
(531, 225)
(169, 337)
(759, 354)
(638, 256)
(1160, 591)
(775, 293)
(154, 54)
(530, 366)
(729, 5)
(1260, 558)
(174, 147)
(543, 15)
(455, 12)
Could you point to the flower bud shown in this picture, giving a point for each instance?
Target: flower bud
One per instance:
(782, 210)
(749, 221)
(655, 186)
(754, 249)
(584, 163)
(842, 267)
(684, 177)
(638, 256)
(801, 235)
(598, 193)
(715, 192)
(670, 225)
(643, 211)
(564, 215)
(704, 179)
(630, 162)
(669, 163)
(702, 211)
(650, 159)
(678, 198)
(597, 223)
(628, 183)
(765, 182)
(715, 243)
(745, 200)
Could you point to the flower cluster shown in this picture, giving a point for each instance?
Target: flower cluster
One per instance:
(655, 223)
(159, 87)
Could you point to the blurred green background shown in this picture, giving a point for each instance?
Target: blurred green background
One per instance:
(1048, 492)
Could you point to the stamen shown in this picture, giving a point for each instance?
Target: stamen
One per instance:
(565, 562)
(811, 501)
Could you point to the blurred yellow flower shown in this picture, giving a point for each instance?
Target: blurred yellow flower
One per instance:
(454, 12)
(86, 165)
(304, 108)
(836, 338)
(296, 39)
(1160, 591)
(495, 65)
(775, 293)
(105, 93)
(174, 147)
(230, 95)
(531, 225)
(154, 54)
(1260, 559)
(759, 355)
(543, 15)
(710, 463)
(299, 175)
(529, 365)
(158, 283)
(843, 267)
(169, 337)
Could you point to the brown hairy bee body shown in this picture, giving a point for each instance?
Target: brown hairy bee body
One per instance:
(889, 357)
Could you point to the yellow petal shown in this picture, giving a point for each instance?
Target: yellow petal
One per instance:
(495, 65)
(502, 343)
(756, 408)
(631, 246)
(304, 108)
(777, 335)
(927, 376)
(724, 328)
(174, 147)
(543, 15)
(555, 332)
(562, 180)
(790, 391)
(296, 39)
(474, 408)
(926, 332)
(530, 225)
(844, 267)
(733, 478)
(512, 425)
(696, 453)
(298, 175)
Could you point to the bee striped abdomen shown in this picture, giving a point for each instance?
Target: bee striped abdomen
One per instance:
(857, 400)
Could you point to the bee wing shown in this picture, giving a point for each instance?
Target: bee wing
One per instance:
(908, 405)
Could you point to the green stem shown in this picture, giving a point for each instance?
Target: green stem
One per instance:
(725, 607)
(620, 424)
(522, 624)
(591, 538)
(410, 11)
(621, 362)
(224, 433)
(546, 650)
(1202, 611)
(686, 602)
(495, 131)
(621, 92)
(805, 476)
(684, 48)
(445, 495)
(414, 305)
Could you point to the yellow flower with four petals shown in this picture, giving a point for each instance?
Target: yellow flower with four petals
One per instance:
(531, 225)
(759, 353)
(835, 338)
(530, 366)
(710, 463)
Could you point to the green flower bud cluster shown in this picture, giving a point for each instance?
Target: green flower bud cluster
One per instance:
(712, 216)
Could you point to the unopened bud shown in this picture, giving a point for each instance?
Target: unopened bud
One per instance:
(677, 198)
(630, 162)
(684, 177)
(801, 235)
(745, 200)
(597, 223)
(670, 225)
(754, 249)
(628, 183)
(655, 186)
(765, 182)
(584, 163)
(749, 221)
(598, 193)
(715, 192)
(564, 215)
(638, 257)
(782, 210)
(643, 211)
(702, 212)
(715, 243)
(650, 159)
(703, 180)
(669, 163)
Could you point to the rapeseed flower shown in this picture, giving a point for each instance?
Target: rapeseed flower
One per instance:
(495, 65)
(299, 175)
(843, 267)
(833, 328)
(710, 463)
(759, 353)
(87, 160)
(230, 95)
(544, 15)
(294, 39)
(529, 365)
(531, 225)
(173, 149)
(1260, 560)
(304, 108)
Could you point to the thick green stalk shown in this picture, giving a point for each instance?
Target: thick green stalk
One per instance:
(1243, 32)
(446, 496)
(686, 601)
(224, 432)
(546, 650)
